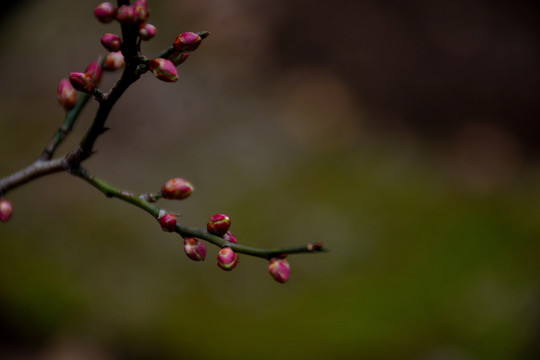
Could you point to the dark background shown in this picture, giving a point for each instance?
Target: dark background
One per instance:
(401, 134)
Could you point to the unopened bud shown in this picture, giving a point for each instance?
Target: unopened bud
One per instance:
(81, 81)
(114, 61)
(67, 96)
(94, 70)
(147, 31)
(178, 58)
(164, 69)
(167, 222)
(195, 249)
(227, 259)
(105, 12)
(187, 41)
(280, 270)
(141, 10)
(111, 42)
(230, 237)
(218, 224)
(126, 14)
(6, 210)
(177, 189)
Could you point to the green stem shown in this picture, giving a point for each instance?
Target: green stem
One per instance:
(185, 231)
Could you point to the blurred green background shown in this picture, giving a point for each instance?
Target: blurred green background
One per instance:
(403, 136)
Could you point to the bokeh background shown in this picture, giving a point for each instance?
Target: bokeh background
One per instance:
(404, 135)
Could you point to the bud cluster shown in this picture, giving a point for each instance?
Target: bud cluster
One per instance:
(135, 14)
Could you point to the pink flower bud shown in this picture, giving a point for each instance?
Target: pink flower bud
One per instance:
(81, 81)
(67, 96)
(168, 222)
(114, 61)
(6, 210)
(111, 42)
(227, 259)
(218, 224)
(230, 237)
(147, 31)
(141, 10)
(177, 189)
(94, 70)
(178, 58)
(195, 249)
(280, 270)
(187, 41)
(105, 12)
(164, 69)
(126, 14)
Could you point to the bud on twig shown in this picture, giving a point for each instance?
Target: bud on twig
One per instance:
(81, 81)
(168, 222)
(105, 12)
(177, 189)
(94, 70)
(164, 69)
(227, 259)
(6, 210)
(147, 31)
(114, 61)
(280, 270)
(67, 96)
(111, 42)
(230, 237)
(195, 249)
(218, 224)
(187, 41)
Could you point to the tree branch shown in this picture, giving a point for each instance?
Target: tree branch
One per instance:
(37, 169)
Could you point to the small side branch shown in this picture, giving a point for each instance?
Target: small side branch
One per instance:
(185, 231)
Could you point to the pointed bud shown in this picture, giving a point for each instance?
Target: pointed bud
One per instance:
(94, 70)
(67, 96)
(147, 31)
(195, 249)
(111, 42)
(114, 61)
(81, 81)
(6, 210)
(126, 14)
(164, 69)
(105, 12)
(177, 189)
(230, 237)
(141, 10)
(218, 224)
(167, 222)
(227, 259)
(178, 58)
(187, 41)
(280, 270)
